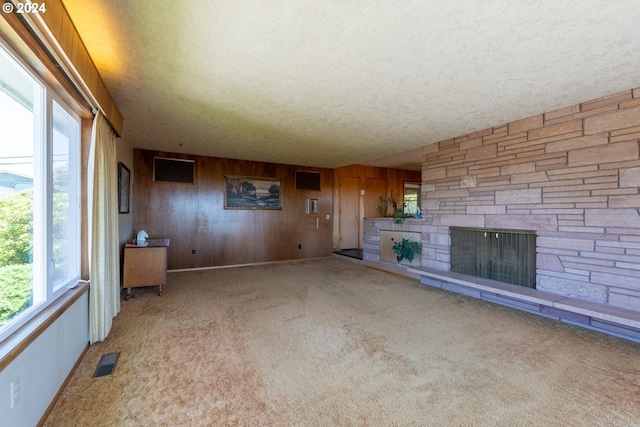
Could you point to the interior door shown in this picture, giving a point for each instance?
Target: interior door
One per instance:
(349, 212)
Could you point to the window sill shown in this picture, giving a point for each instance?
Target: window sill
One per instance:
(17, 342)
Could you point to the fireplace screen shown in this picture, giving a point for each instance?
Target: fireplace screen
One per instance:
(504, 255)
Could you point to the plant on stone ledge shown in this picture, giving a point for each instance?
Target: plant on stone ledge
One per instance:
(388, 207)
(406, 249)
(399, 216)
(388, 204)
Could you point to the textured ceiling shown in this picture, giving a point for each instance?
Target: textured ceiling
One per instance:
(338, 82)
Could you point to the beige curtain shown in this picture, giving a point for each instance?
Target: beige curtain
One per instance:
(104, 258)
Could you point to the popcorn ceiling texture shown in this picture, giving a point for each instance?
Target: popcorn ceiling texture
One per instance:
(334, 83)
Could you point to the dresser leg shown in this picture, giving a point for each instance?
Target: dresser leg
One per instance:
(128, 294)
(159, 290)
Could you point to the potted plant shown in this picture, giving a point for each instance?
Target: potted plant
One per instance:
(399, 216)
(388, 207)
(406, 249)
(388, 204)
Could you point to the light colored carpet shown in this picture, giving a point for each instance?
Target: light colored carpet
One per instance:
(329, 342)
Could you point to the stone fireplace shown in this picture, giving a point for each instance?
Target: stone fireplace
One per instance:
(499, 254)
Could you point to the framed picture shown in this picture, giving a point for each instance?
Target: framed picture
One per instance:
(246, 192)
(124, 184)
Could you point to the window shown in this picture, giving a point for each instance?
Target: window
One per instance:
(411, 198)
(39, 195)
(65, 198)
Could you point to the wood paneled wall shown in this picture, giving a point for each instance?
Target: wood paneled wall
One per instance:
(193, 215)
(395, 177)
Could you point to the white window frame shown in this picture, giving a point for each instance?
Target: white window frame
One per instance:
(43, 285)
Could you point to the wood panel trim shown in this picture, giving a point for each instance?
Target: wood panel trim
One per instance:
(18, 37)
(52, 34)
(251, 264)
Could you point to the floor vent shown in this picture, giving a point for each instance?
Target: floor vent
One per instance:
(106, 365)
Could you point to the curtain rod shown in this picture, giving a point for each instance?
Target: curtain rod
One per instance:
(35, 25)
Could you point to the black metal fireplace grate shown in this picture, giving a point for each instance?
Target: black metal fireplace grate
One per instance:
(499, 254)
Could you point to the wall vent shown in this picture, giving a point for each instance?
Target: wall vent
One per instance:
(307, 180)
(173, 170)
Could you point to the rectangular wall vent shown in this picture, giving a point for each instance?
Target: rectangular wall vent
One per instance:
(307, 180)
(173, 170)
(499, 254)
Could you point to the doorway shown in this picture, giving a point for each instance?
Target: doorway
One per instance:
(349, 212)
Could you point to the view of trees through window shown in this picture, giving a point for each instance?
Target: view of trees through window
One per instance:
(16, 199)
(39, 195)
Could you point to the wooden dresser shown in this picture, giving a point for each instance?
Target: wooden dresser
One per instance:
(145, 265)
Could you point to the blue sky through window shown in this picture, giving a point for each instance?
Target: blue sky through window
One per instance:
(16, 137)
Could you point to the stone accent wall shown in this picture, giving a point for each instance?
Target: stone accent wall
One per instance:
(572, 175)
(373, 227)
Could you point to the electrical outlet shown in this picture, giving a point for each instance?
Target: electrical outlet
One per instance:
(15, 392)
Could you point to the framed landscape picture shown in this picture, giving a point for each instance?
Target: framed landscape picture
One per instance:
(247, 192)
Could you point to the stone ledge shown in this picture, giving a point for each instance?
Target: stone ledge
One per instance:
(613, 320)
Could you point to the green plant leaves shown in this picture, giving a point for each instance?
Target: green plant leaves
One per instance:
(406, 249)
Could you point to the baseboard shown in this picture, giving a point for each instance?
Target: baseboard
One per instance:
(251, 264)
